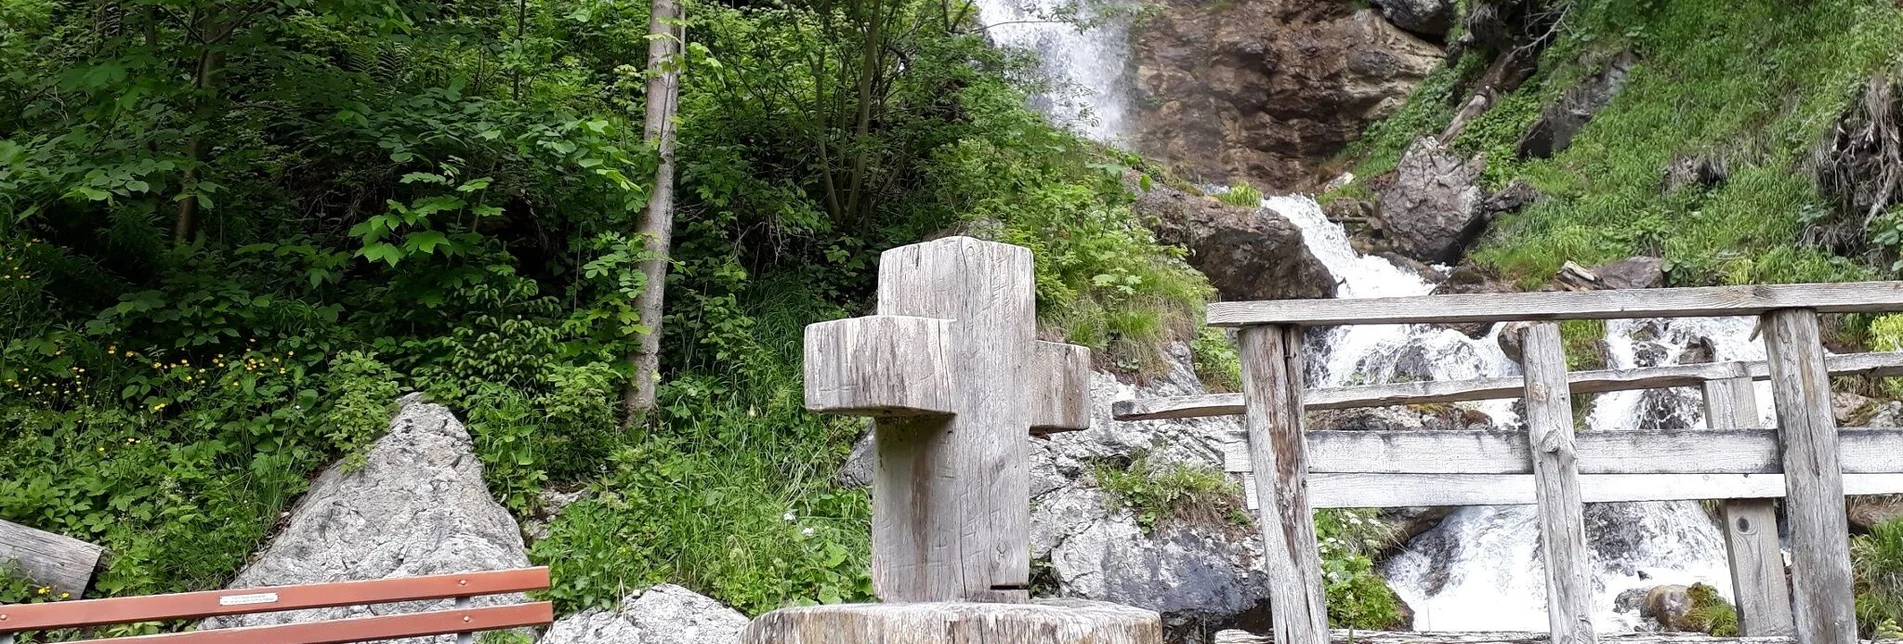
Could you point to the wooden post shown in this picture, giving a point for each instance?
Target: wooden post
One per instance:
(1757, 562)
(1562, 510)
(1813, 478)
(952, 370)
(1272, 388)
(57, 561)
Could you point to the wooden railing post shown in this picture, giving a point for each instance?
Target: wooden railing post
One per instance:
(1562, 512)
(1813, 478)
(1757, 563)
(1272, 387)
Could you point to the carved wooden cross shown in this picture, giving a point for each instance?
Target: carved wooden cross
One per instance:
(953, 372)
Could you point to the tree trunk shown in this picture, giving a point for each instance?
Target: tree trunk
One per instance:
(666, 35)
(211, 61)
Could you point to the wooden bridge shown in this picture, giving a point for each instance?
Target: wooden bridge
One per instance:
(1806, 459)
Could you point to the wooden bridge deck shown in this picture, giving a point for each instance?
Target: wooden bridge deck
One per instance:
(1340, 636)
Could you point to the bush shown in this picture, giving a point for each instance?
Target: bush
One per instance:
(1161, 494)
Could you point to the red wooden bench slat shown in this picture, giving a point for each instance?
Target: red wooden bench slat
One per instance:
(123, 610)
(362, 629)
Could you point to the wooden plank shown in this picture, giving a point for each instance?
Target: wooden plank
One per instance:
(1059, 388)
(1562, 508)
(362, 629)
(1044, 622)
(1854, 297)
(1343, 636)
(881, 365)
(57, 561)
(1272, 385)
(199, 605)
(1814, 505)
(1415, 490)
(1886, 363)
(951, 508)
(1758, 586)
(1651, 451)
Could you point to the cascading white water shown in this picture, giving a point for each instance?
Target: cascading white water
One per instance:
(1480, 568)
(1082, 48)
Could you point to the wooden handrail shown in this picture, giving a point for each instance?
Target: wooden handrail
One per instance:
(1852, 297)
(1887, 363)
(362, 629)
(199, 605)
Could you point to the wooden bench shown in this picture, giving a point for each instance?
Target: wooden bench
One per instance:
(462, 621)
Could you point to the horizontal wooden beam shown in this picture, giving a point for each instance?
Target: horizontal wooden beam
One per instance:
(56, 561)
(362, 629)
(1854, 297)
(1336, 490)
(1719, 451)
(1887, 363)
(241, 601)
(1412, 637)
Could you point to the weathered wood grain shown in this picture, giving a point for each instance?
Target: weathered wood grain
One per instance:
(882, 365)
(1887, 363)
(951, 499)
(1652, 451)
(1272, 385)
(1814, 504)
(1060, 388)
(1758, 586)
(1562, 508)
(1857, 297)
(1045, 622)
(1391, 637)
(1327, 490)
(59, 562)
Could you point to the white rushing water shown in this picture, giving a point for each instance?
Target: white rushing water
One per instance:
(1480, 568)
(1082, 49)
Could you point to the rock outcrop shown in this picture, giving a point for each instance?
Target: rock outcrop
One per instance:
(1268, 90)
(1559, 122)
(417, 506)
(1431, 211)
(1429, 18)
(1247, 253)
(664, 614)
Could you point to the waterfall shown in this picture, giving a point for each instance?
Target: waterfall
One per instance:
(1081, 48)
(1480, 568)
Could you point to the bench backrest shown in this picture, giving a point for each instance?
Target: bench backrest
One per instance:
(199, 605)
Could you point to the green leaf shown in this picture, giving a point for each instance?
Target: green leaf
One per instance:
(425, 241)
(382, 251)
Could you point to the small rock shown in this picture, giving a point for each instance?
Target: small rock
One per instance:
(1468, 278)
(1868, 511)
(1633, 272)
(1512, 341)
(862, 464)
(664, 614)
(1848, 408)
(1669, 606)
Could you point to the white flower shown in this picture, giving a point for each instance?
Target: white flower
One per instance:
(789, 517)
(807, 532)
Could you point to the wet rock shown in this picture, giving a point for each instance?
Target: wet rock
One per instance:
(1670, 606)
(1512, 341)
(1561, 121)
(1467, 278)
(1430, 18)
(1247, 253)
(1202, 577)
(1267, 90)
(664, 614)
(1409, 523)
(1431, 211)
(417, 506)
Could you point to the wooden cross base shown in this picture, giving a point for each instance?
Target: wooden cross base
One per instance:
(1042, 622)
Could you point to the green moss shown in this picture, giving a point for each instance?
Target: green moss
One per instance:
(1710, 613)
(1159, 494)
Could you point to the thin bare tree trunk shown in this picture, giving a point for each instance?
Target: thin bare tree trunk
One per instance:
(666, 35)
(211, 60)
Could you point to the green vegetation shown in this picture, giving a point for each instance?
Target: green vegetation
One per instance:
(1215, 359)
(1710, 613)
(216, 282)
(1241, 195)
(1877, 560)
(1159, 494)
(1357, 595)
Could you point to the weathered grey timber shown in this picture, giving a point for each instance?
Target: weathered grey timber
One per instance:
(1272, 384)
(1337, 490)
(1505, 637)
(953, 371)
(1750, 525)
(56, 561)
(1814, 505)
(1856, 297)
(1046, 622)
(1888, 363)
(1562, 509)
(1644, 451)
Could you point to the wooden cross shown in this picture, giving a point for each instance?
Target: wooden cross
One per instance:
(953, 372)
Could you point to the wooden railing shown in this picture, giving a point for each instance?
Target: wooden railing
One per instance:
(1805, 460)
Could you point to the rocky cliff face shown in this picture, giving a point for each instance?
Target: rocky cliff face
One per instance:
(1267, 90)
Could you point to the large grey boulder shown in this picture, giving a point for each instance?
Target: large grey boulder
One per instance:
(1431, 18)
(1201, 577)
(1432, 211)
(1247, 253)
(664, 614)
(418, 506)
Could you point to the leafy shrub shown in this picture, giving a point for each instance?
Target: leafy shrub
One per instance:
(1178, 492)
(1358, 597)
(1241, 195)
(1216, 362)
